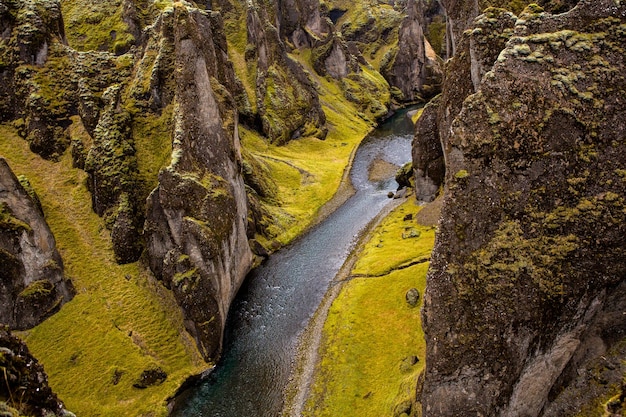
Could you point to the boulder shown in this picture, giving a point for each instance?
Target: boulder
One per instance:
(32, 284)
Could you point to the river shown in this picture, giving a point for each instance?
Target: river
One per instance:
(278, 299)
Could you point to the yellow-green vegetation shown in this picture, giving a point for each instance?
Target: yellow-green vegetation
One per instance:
(374, 24)
(96, 26)
(120, 323)
(153, 141)
(417, 115)
(372, 335)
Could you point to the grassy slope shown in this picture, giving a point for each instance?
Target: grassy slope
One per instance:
(120, 320)
(370, 328)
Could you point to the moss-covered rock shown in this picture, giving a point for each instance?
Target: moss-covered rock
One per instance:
(32, 283)
(287, 101)
(113, 177)
(196, 222)
(412, 66)
(528, 270)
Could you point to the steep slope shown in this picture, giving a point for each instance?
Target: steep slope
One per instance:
(526, 287)
(196, 217)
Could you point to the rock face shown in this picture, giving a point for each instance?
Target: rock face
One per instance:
(526, 289)
(460, 14)
(413, 67)
(477, 52)
(196, 218)
(24, 388)
(287, 102)
(28, 32)
(32, 285)
(301, 22)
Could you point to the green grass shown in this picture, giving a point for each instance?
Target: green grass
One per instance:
(153, 141)
(370, 329)
(120, 319)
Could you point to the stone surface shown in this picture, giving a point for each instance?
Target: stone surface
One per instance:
(287, 102)
(32, 284)
(196, 218)
(413, 67)
(24, 385)
(527, 275)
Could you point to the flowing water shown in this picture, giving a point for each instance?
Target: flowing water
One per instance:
(277, 300)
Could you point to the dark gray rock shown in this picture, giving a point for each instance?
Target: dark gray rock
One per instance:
(32, 284)
(528, 270)
(196, 218)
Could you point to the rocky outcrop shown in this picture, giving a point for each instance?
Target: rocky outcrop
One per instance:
(287, 101)
(24, 389)
(413, 67)
(478, 51)
(460, 14)
(301, 22)
(112, 167)
(428, 160)
(32, 284)
(33, 35)
(196, 217)
(527, 276)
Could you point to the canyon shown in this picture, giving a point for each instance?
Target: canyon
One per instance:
(155, 152)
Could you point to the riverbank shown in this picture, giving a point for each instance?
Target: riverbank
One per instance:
(335, 372)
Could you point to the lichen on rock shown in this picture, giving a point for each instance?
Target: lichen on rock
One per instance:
(528, 266)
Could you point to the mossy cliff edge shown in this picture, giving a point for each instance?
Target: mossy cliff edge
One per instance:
(523, 312)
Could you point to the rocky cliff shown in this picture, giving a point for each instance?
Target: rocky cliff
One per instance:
(413, 66)
(32, 283)
(524, 305)
(196, 217)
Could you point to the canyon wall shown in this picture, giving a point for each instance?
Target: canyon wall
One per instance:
(32, 283)
(525, 297)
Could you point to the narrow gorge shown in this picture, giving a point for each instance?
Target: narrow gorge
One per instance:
(158, 157)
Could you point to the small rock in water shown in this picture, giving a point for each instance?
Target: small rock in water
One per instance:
(390, 194)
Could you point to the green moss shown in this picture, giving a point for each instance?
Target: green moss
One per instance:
(10, 222)
(96, 26)
(388, 250)
(461, 174)
(152, 135)
(436, 35)
(37, 289)
(509, 256)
